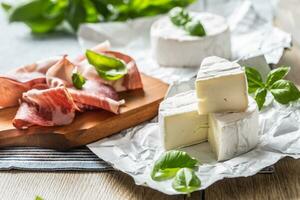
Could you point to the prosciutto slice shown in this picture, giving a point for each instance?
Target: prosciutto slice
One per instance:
(94, 93)
(131, 81)
(48, 107)
(25, 78)
(46, 95)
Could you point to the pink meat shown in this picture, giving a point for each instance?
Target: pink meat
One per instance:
(18, 81)
(131, 81)
(60, 74)
(94, 94)
(49, 107)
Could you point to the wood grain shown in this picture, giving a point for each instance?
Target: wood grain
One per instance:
(141, 105)
(284, 184)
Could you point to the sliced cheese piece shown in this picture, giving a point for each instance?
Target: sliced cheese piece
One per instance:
(174, 47)
(180, 123)
(231, 134)
(221, 86)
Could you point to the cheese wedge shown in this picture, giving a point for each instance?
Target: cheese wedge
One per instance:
(221, 86)
(231, 134)
(180, 123)
(173, 47)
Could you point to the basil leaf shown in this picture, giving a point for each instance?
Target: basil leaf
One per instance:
(78, 80)
(284, 91)
(179, 16)
(30, 10)
(6, 6)
(195, 28)
(186, 181)
(277, 74)
(254, 79)
(169, 163)
(38, 198)
(44, 24)
(81, 11)
(260, 97)
(108, 68)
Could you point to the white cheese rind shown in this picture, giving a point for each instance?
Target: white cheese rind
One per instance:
(174, 47)
(231, 134)
(180, 123)
(221, 86)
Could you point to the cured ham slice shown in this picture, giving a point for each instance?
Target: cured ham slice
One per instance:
(14, 89)
(46, 94)
(131, 81)
(94, 94)
(60, 74)
(48, 107)
(18, 81)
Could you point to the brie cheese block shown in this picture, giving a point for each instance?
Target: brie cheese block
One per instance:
(180, 123)
(221, 86)
(174, 47)
(231, 134)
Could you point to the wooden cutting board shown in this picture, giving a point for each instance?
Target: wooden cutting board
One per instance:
(140, 106)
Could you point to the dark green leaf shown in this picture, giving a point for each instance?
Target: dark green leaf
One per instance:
(76, 14)
(138, 8)
(254, 79)
(284, 91)
(276, 75)
(44, 24)
(179, 16)
(29, 11)
(91, 11)
(6, 6)
(108, 68)
(194, 27)
(78, 80)
(81, 11)
(186, 181)
(169, 163)
(260, 97)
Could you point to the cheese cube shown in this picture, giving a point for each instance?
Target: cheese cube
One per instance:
(180, 123)
(221, 86)
(231, 134)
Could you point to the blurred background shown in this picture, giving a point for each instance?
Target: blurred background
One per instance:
(34, 29)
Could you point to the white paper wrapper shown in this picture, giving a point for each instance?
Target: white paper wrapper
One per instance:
(135, 150)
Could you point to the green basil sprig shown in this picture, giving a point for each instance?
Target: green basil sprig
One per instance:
(186, 181)
(44, 16)
(107, 67)
(169, 163)
(181, 18)
(283, 91)
(78, 80)
(180, 165)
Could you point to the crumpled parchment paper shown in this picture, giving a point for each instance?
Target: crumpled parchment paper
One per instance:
(254, 41)
(135, 150)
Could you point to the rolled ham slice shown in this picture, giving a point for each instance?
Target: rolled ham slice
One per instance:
(131, 81)
(25, 78)
(94, 94)
(49, 107)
